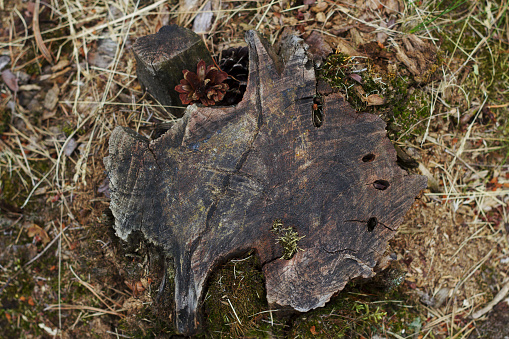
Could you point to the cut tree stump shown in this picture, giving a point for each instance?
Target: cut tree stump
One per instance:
(161, 58)
(225, 180)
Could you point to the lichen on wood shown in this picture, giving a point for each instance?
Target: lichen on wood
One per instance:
(212, 186)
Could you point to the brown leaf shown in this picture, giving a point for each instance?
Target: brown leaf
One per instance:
(51, 98)
(35, 230)
(136, 287)
(356, 77)
(60, 65)
(319, 7)
(312, 329)
(375, 100)
(10, 80)
(317, 46)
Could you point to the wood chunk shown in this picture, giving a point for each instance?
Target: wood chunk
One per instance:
(218, 181)
(161, 58)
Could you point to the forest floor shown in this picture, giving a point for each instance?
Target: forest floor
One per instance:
(436, 71)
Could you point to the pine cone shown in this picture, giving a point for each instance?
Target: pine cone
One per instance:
(205, 86)
(235, 62)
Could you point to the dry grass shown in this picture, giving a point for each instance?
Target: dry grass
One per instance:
(454, 238)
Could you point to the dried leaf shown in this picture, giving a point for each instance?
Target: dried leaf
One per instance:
(51, 99)
(375, 100)
(319, 7)
(320, 17)
(10, 80)
(35, 230)
(356, 77)
(60, 65)
(30, 87)
(317, 46)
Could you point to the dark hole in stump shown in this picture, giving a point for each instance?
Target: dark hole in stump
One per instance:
(381, 185)
(368, 157)
(372, 222)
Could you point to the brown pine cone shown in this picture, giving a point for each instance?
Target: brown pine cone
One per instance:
(206, 85)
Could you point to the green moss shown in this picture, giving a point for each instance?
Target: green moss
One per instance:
(12, 188)
(69, 128)
(234, 300)
(405, 108)
(360, 310)
(341, 71)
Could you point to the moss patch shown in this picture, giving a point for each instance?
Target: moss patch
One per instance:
(235, 303)
(405, 105)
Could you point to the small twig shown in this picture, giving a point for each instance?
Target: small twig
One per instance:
(37, 34)
(81, 307)
(235, 313)
(91, 289)
(500, 295)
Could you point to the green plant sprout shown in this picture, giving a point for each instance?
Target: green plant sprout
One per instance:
(375, 316)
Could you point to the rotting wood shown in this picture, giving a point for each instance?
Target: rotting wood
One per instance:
(218, 181)
(161, 58)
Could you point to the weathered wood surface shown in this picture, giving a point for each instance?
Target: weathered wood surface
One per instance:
(160, 59)
(212, 186)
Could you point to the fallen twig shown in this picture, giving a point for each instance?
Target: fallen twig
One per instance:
(37, 34)
(500, 295)
(81, 307)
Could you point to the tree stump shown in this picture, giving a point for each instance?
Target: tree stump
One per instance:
(160, 59)
(317, 201)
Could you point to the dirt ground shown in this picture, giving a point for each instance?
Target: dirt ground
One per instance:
(436, 71)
